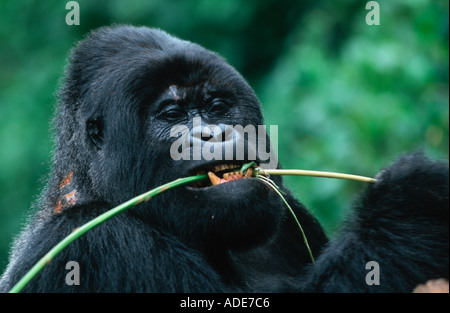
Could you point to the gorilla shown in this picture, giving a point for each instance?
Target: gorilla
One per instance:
(123, 91)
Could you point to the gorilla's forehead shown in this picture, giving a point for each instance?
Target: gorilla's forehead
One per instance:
(186, 68)
(179, 74)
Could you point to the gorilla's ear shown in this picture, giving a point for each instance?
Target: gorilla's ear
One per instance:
(94, 128)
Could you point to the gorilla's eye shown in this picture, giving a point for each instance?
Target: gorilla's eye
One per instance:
(172, 114)
(94, 128)
(218, 106)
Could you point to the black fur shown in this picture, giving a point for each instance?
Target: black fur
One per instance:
(113, 141)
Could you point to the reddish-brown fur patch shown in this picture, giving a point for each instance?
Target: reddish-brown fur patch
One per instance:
(66, 180)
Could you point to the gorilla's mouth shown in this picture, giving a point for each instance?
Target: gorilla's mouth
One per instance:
(220, 174)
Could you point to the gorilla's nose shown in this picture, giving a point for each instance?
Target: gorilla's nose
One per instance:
(217, 141)
(213, 134)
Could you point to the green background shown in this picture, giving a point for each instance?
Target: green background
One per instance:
(346, 96)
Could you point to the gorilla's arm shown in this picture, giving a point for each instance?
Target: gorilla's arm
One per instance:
(121, 255)
(401, 222)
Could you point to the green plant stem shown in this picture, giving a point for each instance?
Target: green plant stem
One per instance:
(314, 174)
(97, 221)
(270, 183)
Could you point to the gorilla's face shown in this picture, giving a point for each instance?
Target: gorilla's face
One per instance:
(157, 109)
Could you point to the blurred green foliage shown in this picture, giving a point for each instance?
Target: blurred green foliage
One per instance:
(347, 97)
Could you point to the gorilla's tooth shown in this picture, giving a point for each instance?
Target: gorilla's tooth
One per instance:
(213, 178)
(225, 176)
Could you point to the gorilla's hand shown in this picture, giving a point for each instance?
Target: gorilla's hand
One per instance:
(401, 223)
(412, 190)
